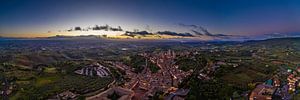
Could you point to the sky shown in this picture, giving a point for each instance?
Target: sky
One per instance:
(234, 17)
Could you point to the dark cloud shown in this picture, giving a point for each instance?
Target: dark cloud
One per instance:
(196, 32)
(201, 31)
(128, 33)
(174, 33)
(184, 25)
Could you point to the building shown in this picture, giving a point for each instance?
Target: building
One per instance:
(276, 82)
(177, 94)
(262, 92)
(123, 94)
(66, 95)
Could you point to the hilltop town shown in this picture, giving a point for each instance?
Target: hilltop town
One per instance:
(170, 70)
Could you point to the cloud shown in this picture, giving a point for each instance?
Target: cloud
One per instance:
(184, 25)
(159, 33)
(196, 32)
(174, 33)
(128, 33)
(201, 31)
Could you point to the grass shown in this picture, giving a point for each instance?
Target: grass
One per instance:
(41, 81)
(48, 85)
(50, 70)
(20, 75)
(17, 96)
(238, 78)
(23, 82)
(243, 77)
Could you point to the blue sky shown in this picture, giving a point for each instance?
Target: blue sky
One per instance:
(240, 17)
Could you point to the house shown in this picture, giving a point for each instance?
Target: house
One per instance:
(177, 94)
(262, 92)
(122, 94)
(276, 82)
(298, 69)
(67, 95)
(269, 82)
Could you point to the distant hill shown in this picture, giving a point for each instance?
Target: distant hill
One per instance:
(285, 49)
(292, 39)
(277, 42)
(72, 37)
